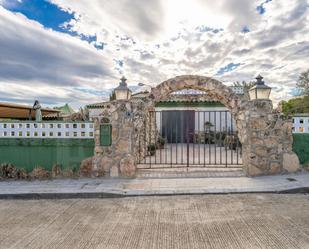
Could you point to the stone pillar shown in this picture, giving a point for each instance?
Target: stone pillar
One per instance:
(116, 160)
(268, 146)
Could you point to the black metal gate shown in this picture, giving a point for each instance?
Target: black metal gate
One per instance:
(189, 139)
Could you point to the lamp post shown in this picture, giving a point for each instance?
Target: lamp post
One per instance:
(143, 84)
(260, 90)
(122, 92)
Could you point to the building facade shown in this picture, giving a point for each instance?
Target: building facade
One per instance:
(301, 123)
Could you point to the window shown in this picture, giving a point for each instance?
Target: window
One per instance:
(12, 126)
(28, 126)
(75, 134)
(20, 126)
(91, 126)
(20, 133)
(51, 134)
(67, 134)
(74, 126)
(301, 129)
(5, 134)
(83, 126)
(91, 134)
(43, 134)
(12, 134)
(67, 126)
(83, 134)
(28, 134)
(35, 125)
(36, 133)
(4, 125)
(58, 126)
(51, 126)
(43, 126)
(301, 121)
(59, 134)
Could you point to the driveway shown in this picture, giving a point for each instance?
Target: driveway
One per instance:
(209, 221)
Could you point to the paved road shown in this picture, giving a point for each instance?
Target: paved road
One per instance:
(193, 222)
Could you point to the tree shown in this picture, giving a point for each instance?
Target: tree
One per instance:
(246, 86)
(296, 105)
(303, 82)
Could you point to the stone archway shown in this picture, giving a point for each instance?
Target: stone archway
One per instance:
(214, 88)
(266, 136)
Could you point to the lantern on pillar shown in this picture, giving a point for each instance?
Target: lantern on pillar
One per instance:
(122, 92)
(260, 90)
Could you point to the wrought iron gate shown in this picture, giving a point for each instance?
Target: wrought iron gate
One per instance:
(189, 139)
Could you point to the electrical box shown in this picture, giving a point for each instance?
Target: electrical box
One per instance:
(106, 135)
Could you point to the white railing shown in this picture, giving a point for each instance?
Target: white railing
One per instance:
(235, 89)
(189, 92)
(46, 130)
(300, 124)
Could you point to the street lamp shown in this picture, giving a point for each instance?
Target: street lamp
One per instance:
(122, 92)
(143, 84)
(260, 90)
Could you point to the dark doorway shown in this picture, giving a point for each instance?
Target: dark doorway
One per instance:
(178, 126)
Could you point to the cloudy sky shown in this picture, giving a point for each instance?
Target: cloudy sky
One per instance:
(75, 51)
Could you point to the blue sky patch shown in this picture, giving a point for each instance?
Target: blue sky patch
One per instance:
(227, 68)
(296, 92)
(260, 8)
(49, 15)
(245, 29)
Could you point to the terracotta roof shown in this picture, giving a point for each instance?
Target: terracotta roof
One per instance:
(18, 111)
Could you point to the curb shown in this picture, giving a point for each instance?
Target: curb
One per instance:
(104, 195)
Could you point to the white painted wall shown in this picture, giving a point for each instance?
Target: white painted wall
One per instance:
(300, 124)
(220, 117)
(46, 130)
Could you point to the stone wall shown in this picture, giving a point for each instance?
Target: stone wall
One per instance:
(119, 158)
(265, 135)
(128, 119)
(269, 142)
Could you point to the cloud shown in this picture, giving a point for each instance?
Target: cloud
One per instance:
(150, 41)
(37, 57)
(134, 18)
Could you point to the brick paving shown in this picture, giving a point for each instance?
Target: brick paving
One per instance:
(193, 222)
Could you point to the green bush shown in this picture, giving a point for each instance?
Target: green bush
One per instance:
(301, 147)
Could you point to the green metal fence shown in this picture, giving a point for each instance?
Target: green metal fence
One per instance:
(30, 153)
(301, 146)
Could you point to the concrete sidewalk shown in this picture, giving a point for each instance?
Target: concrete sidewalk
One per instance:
(100, 188)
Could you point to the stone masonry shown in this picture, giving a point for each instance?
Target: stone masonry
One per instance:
(266, 136)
